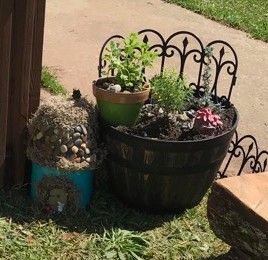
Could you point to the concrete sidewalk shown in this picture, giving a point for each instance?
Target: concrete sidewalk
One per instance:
(76, 30)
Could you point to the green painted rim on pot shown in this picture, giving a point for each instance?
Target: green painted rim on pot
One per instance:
(119, 114)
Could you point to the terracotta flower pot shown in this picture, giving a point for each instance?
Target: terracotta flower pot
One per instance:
(119, 108)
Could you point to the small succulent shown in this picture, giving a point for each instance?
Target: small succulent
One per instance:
(207, 122)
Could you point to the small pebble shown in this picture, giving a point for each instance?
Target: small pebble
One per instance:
(56, 131)
(126, 92)
(105, 85)
(78, 129)
(70, 143)
(77, 160)
(74, 149)
(65, 138)
(190, 113)
(115, 88)
(84, 138)
(83, 159)
(87, 151)
(80, 153)
(88, 160)
(78, 142)
(84, 129)
(71, 132)
(76, 135)
(39, 135)
(63, 149)
(83, 146)
(72, 157)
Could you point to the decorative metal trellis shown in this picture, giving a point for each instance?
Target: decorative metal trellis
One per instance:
(185, 47)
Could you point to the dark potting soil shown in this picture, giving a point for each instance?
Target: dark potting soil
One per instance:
(158, 125)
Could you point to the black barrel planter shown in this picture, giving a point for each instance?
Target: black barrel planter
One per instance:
(163, 176)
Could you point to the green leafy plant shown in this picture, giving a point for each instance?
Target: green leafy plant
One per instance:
(123, 244)
(50, 82)
(129, 61)
(171, 90)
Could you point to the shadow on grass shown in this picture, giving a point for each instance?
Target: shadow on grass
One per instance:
(105, 211)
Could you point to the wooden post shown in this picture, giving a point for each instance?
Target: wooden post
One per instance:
(6, 9)
(24, 88)
(37, 51)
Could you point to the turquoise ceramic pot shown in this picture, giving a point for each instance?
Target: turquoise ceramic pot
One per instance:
(81, 180)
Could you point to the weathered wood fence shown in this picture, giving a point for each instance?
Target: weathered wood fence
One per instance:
(21, 44)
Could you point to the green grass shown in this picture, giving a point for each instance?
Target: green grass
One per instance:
(50, 82)
(108, 230)
(248, 15)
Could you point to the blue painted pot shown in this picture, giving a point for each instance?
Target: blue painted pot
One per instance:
(80, 181)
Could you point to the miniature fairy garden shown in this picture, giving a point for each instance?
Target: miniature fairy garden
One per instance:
(64, 148)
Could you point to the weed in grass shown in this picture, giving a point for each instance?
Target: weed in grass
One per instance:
(50, 82)
(247, 15)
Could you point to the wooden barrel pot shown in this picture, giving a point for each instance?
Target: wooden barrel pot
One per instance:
(163, 176)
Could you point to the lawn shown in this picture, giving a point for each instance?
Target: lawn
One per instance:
(250, 16)
(107, 230)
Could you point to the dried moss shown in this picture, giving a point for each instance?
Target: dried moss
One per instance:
(57, 117)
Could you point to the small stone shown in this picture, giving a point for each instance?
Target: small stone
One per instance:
(88, 160)
(70, 143)
(87, 151)
(72, 157)
(39, 135)
(53, 138)
(77, 160)
(74, 149)
(105, 85)
(56, 131)
(80, 153)
(83, 146)
(190, 113)
(84, 138)
(65, 138)
(83, 159)
(84, 129)
(161, 111)
(71, 132)
(78, 142)
(115, 88)
(78, 129)
(126, 92)
(184, 117)
(63, 149)
(76, 135)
